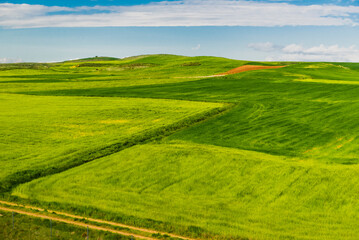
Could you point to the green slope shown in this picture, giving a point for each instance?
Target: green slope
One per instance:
(225, 191)
(45, 135)
(276, 113)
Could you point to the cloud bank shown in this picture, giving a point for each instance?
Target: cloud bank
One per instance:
(179, 13)
(296, 52)
(10, 60)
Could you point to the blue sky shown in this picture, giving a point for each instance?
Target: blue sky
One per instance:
(271, 30)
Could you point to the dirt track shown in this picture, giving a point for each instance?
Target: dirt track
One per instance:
(84, 224)
(75, 223)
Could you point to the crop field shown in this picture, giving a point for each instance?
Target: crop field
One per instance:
(234, 192)
(168, 143)
(42, 135)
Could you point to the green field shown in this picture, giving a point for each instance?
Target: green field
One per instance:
(229, 191)
(156, 141)
(44, 135)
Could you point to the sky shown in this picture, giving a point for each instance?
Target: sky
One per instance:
(262, 30)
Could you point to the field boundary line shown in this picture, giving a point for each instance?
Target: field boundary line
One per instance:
(93, 220)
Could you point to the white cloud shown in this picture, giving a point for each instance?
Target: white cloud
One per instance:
(333, 53)
(178, 13)
(10, 60)
(263, 47)
(292, 48)
(197, 47)
(296, 52)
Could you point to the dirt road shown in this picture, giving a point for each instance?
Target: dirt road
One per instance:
(85, 218)
(90, 226)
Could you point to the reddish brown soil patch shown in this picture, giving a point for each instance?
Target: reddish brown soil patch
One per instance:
(245, 68)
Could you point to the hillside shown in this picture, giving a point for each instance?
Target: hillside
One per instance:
(171, 143)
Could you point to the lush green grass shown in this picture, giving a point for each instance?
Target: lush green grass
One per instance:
(276, 113)
(42, 135)
(280, 164)
(221, 190)
(293, 82)
(324, 131)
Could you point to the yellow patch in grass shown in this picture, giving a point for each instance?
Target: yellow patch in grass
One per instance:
(157, 120)
(80, 134)
(310, 150)
(328, 81)
(114, 121)
(341, 145)
(321, 65)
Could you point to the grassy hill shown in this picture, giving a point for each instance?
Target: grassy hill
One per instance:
(46, 135)
(264, 154)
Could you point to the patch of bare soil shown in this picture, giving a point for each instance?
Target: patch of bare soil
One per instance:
(246, 68)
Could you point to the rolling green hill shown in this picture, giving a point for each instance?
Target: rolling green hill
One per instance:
(45, 135)
(228, 191)
(264, 154)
